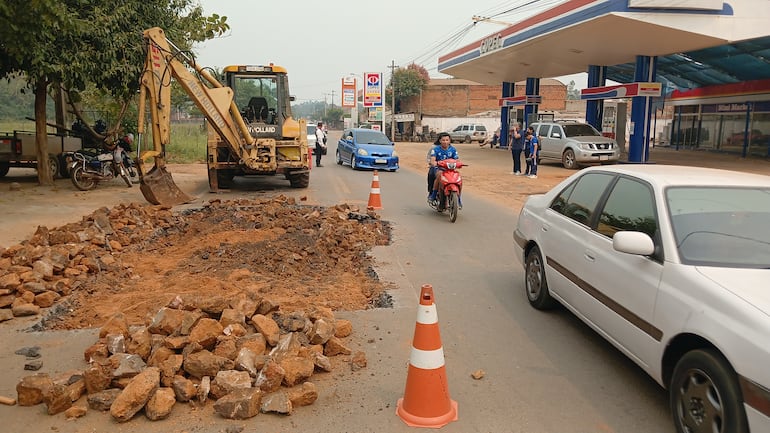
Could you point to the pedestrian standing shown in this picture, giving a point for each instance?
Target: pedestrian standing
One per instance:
(320, 143)
(533, 146)
(517, 145)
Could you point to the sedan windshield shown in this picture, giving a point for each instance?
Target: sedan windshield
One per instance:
(371, 137)
(721, 226)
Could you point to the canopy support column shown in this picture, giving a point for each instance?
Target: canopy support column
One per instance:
(641, 111)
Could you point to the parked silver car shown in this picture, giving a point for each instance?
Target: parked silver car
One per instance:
(671, 265)
(469, 132)
(575, 144)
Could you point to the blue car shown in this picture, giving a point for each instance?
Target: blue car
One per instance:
(367, 148)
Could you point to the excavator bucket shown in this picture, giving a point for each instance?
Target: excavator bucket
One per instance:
(158, 186)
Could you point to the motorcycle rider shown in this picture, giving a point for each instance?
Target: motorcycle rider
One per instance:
(442, 150)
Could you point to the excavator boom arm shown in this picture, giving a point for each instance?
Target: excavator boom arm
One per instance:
(165, 61)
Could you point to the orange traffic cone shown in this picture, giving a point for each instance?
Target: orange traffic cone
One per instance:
(426, 400)
(374, 195)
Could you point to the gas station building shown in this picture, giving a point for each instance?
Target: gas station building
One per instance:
(708, 60)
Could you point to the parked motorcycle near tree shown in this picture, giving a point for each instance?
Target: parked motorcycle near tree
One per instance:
(450, 187)
(87, 168)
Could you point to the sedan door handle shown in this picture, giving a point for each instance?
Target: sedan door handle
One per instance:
(545, 227)
(589, 255)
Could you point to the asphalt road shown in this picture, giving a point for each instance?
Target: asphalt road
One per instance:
(544, 372)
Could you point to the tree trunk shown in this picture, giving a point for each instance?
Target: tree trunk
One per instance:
(44, 175)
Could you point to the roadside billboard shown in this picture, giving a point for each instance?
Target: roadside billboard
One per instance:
(349, 92)
(373, 89)
(375, 114)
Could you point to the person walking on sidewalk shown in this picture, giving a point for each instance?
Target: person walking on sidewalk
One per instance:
(517, 145)
(532, 148)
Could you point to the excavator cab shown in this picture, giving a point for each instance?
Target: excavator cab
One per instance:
(258, 92)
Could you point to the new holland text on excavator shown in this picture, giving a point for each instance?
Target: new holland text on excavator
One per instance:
(251, 128)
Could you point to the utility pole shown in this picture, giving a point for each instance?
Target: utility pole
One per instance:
(332, 98)
(392, 102)
(325, 95)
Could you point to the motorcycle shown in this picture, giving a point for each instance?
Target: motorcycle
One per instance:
(450, 185)
(490, 140)
(89, 168)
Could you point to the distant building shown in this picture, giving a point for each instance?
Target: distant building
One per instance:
(454, 97)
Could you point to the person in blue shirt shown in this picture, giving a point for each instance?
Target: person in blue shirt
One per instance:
(442, 150)
(532, 150)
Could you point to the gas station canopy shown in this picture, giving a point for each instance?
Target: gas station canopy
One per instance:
(697, 42)
(731, 63)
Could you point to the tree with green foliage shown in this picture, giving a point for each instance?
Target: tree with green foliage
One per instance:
(333, 116)
(79, 44)
(407, 82)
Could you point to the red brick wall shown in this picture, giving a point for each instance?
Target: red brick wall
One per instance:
(554, 97)
(461, 100)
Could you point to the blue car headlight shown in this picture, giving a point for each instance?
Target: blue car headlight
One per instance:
(394, 154)
(362, 152)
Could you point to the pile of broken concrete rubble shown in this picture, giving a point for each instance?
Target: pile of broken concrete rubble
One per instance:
(54, 262)
(242, 352)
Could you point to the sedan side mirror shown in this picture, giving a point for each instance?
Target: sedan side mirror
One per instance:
(633, 243)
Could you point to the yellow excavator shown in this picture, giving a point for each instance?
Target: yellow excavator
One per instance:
(250, 126)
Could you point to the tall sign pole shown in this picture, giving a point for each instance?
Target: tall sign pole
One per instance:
(349, 90)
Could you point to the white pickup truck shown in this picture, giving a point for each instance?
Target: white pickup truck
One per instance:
(17, 149)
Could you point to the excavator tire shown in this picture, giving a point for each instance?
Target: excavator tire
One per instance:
(301, 180)
(158, 187)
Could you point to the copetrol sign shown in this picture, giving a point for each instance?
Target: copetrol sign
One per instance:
(621, 91)
(372, 89)
(491, 43)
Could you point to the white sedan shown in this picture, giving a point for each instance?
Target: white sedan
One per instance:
(672, 266)
(311, 137)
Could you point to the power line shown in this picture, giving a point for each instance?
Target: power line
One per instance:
(451, 41)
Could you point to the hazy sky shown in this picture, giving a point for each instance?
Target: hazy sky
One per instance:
(321, 42)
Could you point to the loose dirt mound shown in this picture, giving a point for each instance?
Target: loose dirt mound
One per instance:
(135, 258)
